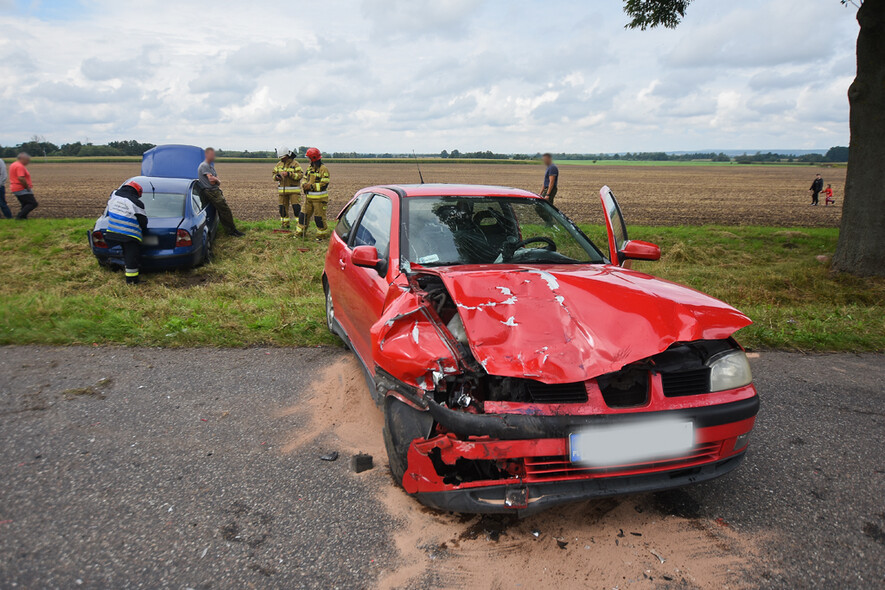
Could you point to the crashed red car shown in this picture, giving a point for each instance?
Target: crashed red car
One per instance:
(519, 367)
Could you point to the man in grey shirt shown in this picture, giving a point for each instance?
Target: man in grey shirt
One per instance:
(4, 208)
(210, 190)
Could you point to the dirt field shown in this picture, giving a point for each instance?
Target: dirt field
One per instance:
(739, 195)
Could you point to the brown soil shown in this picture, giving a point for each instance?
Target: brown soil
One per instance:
(648, 541)
(735, 195)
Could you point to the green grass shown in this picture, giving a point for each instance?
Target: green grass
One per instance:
(259, 290)
(262, 291)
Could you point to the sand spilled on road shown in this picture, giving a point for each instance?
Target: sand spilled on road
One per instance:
(647, 541)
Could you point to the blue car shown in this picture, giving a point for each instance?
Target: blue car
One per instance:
(180, 229)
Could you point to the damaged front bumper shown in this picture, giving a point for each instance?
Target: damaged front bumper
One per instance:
(520, 463)
(528, 498)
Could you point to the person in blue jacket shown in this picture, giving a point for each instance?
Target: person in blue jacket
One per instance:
(126, 225)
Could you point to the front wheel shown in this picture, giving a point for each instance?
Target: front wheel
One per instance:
(402, 425)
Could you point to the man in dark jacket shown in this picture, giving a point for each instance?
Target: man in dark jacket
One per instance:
(126, 224)
(816, 187)
(551, 178)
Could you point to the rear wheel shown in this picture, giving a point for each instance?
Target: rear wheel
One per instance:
(330, 309)
(207, 248)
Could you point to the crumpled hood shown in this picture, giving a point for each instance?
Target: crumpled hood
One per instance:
(571, 323)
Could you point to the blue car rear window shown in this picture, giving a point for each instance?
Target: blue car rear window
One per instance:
(163, 204)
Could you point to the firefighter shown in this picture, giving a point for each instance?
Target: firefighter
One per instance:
(288, 174)
(126, 224)
(316, 196)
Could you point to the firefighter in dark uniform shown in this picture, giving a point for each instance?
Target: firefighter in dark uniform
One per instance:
(288, 174)
(316, 196)
(126, 225)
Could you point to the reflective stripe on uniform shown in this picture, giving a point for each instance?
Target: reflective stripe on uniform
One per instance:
(120, 220)
(131, 272)
(120, 224)
(125, 231)
(322, 195)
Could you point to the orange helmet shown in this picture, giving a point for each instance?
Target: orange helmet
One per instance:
(314, 155)
(136, 186)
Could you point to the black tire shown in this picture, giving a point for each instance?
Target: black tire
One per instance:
(207, 249)
(330, 308)
(402, 425)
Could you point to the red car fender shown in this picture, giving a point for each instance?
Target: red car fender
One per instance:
(408, 341)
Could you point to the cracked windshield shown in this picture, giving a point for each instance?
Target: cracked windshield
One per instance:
(443, 231)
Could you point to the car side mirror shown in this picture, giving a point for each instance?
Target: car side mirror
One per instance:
(367, 257)
(639, 250)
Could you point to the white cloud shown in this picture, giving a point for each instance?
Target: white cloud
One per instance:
(384, 75)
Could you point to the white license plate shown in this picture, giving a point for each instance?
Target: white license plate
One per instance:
(638, 442)
(150, 240)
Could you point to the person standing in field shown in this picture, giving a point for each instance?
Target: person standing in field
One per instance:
(4, 208)
(21, 186)
(816, 187)
(316, 196)
(210, 190)
(828, 193)
(288, 174)
(127, 221)
(551, 178)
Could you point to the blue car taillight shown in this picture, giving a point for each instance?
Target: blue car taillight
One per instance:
(98, 240)
(183, 238)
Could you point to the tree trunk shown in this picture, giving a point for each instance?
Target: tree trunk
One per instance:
(861, 247)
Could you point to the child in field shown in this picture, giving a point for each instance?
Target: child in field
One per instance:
(828, 193)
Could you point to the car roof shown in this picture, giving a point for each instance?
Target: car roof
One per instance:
(456, 190)
(162, 185)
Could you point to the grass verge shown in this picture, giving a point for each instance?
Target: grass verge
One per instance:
(266, 289)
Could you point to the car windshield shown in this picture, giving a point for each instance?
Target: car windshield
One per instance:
(444, 231)
(163, 204)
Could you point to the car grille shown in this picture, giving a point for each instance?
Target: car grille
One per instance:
(627, 388)
(561, 393)
(559, 467)
(692, 382)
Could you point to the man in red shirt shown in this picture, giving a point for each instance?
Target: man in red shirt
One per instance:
(21, 186)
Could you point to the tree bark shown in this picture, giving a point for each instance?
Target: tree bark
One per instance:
(861, 246)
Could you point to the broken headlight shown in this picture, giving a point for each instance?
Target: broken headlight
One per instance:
(729, 370)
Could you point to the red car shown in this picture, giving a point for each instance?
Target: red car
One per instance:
(518, 365)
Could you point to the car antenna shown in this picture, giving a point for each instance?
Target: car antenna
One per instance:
(421, 176)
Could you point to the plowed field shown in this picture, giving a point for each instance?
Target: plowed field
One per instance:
(697, 195)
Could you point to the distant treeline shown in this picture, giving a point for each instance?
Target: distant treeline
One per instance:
(834, 154)
(40, 147)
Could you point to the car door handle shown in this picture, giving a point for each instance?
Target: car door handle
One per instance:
(342, 263)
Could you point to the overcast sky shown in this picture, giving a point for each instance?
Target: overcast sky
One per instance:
(396, 75)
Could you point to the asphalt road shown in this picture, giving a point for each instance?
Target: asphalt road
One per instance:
(147, 468)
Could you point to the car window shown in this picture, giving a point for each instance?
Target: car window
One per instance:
(163, 204)
(491, 230)
(350, 215)
(374, 227)
(196, 201)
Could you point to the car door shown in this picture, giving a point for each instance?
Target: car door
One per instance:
(338, 258)
(363, 301)
(614, 224)
(622, 249)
